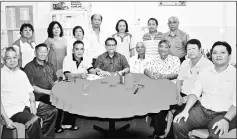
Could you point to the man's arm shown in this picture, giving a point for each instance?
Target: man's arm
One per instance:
(8, 121)
(125, 65)
(32, 103)
(231, 113)
(169, 76)
(41, 90)
(179, 84)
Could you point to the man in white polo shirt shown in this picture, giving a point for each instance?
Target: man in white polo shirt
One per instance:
(215, 87)
(16, 92)
(75, 66)
(187, 75)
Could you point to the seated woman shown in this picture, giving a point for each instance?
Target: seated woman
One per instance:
(25, 45)
(75, 66)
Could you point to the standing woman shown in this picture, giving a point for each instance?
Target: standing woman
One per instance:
(124, 39)
(57, 45)
(57, 51)
(25, 45)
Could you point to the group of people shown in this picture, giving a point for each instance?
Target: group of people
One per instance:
(205, 89)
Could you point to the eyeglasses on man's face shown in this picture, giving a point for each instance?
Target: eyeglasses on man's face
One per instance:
(111, 45)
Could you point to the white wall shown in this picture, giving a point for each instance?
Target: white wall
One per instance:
(206, 21)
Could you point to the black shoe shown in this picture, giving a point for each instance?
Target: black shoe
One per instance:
(74, 127)
(59, 130)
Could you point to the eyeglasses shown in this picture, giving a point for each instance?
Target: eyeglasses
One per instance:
(110, 45)
(172, 22)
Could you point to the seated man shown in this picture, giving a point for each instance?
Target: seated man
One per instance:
(216, 109)
(42, 76)
(138, 61)
(163, 66)
(75, 66)
(16, 92)
(111, 61)
(189, 70)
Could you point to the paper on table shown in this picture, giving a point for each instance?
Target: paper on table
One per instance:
(93, 77)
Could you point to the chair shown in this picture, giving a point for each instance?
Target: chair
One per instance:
(18, 132)
(203, 133)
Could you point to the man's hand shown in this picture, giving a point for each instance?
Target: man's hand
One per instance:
(104, 73)
(222, 126)
(84, 75)
(121, 72)
(181, 115)
(179, 99)
(10, 124)
(33, 107)
(149, 73)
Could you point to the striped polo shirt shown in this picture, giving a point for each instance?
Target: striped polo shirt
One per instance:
(151, 43)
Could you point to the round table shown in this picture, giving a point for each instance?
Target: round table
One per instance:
(107, 98)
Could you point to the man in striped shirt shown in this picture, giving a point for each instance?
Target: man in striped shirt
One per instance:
(152, 38)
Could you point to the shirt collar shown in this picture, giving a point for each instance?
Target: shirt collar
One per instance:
(107, 54)
(138, 57)
(167, 58)
(74, 59)
(37, 64)
(9, 70)
(126, 34)
(176, 33)
(24, 40)
(228, 69)
(199, 61)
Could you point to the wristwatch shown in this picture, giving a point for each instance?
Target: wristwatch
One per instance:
(228, 120)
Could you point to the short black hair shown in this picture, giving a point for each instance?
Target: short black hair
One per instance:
(25, 25)
(50, 29)
(223, 43)
(194, 41)
(77, 27)
(96, 14)
(41, 45)
(110, 39)
(153, 19)
(77, 42)
(121, 20)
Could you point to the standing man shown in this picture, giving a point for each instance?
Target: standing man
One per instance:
(96, 37)
(177, 38)
(111, 61)
(215, 87)
(137, 63)
(152, 38)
